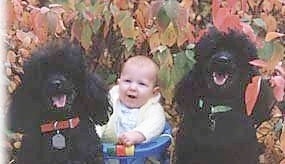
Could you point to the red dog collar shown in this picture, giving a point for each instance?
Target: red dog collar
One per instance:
(70, 123)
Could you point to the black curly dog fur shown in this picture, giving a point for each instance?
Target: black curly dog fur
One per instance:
(215, 128)
(56, 87)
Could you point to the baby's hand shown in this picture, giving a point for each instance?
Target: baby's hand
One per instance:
(131, 138)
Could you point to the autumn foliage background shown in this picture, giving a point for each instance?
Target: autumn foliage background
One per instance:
(166, 30)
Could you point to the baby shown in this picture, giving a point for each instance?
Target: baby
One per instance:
(138, 116)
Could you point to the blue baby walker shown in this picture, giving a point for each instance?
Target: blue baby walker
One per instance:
(138, 154)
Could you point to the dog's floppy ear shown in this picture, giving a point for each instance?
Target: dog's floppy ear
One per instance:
(32, 77)
(264, 103)
(97, 99)
(184, 94)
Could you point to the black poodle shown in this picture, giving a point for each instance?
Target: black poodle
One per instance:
(215, 127)
(57, 106)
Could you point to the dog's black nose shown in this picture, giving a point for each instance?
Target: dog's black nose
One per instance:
(57, 83)
(222, 57)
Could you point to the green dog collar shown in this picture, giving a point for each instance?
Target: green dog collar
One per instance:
(220, 108)
(216, 109)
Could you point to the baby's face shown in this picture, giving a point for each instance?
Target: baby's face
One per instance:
(136, 85)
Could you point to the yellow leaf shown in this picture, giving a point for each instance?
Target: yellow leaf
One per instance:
(127, 28)
(270, 21)
(186, 3)
(272, 35)
(12, 86)
(282, 140)
(142, 14)
(11, 56)
(165, 59)
(154, 41)
(86, 36)
(169, 36)
(283, 161)
(140, 18)
(276, 57)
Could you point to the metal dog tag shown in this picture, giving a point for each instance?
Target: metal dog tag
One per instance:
(58, 141)
(212, 122)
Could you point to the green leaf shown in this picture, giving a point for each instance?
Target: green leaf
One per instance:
(164, 57)
(86, 36)
(98, 8)
(80, 7)
(266, 51)
(190, 56)
(129, 43)
(107, 75)
(259, 22)
(166, 83)
(107, 16)
(183, 62)
(111, 78)
(171, 7)
(163, 19)
(120, 16)
(96, 25)
(164, 75)
(127, 27)
(190, 46)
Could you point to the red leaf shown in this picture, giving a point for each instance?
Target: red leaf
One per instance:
(185, 34)
(215, 7)
(244, 5)
(231, 22)
(155, 6)
(182, 20)
(201, 33)
(122, 4)
(247, 29)
(232, 4)
(76, 30)
(251, 94)
(52, 21)
(258, 63)
(224, 20)
(278, 83)
(11, 14)
(40, 26)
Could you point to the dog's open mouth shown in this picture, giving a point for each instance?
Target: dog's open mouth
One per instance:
(220, 78)
(59, 101)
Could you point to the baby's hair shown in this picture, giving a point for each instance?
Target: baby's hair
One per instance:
(143, 60)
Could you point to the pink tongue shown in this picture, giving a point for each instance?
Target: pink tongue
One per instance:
(59, 101)
(220, 79)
